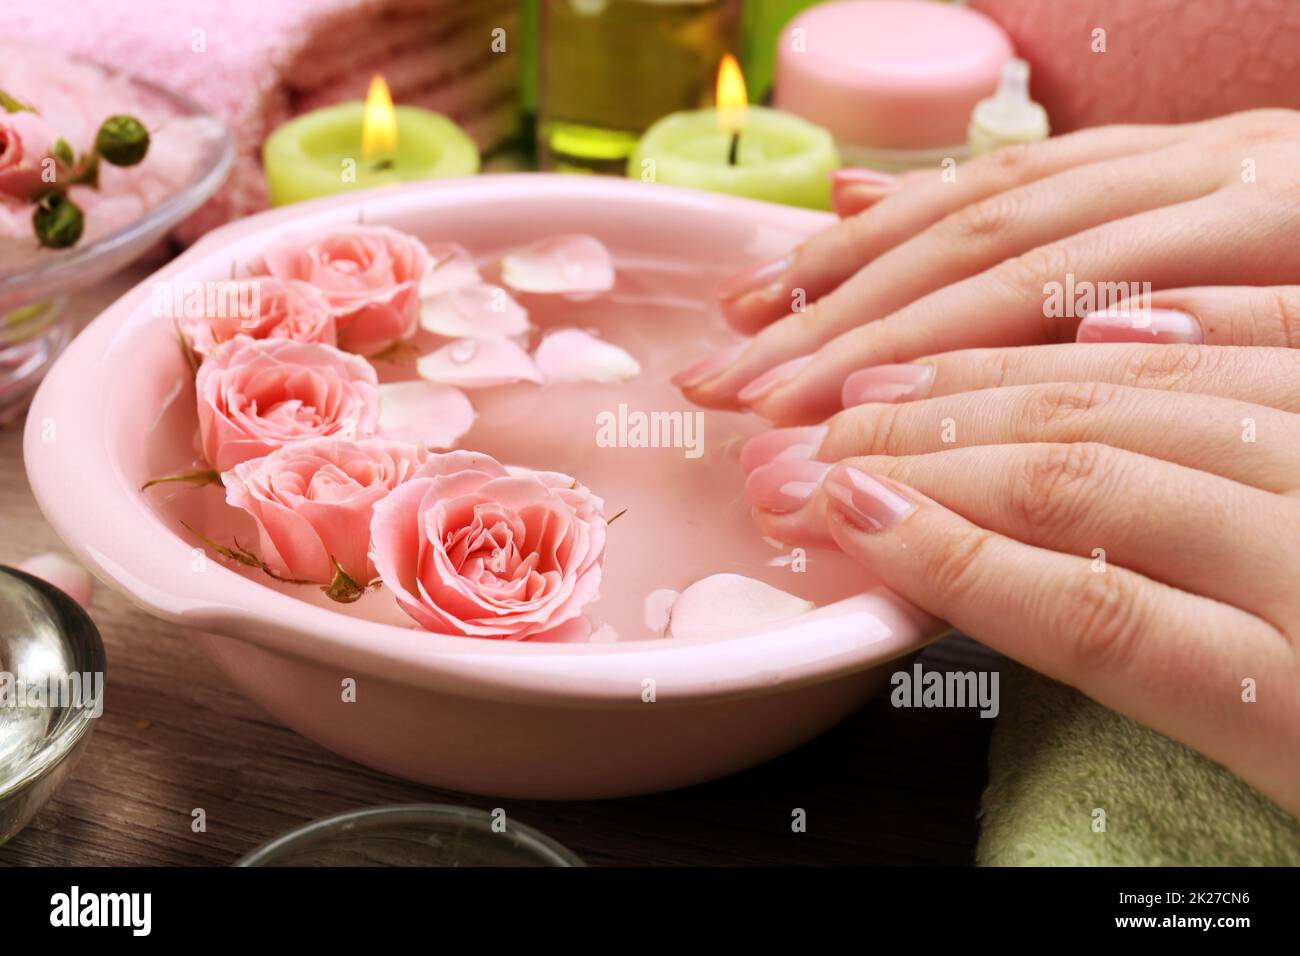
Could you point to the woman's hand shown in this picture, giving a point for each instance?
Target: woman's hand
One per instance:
(1124, 518)
(938, 263)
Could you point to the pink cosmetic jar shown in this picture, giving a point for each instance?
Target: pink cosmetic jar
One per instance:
(893, 80)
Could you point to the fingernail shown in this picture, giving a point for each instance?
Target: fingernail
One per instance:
(753, 278)
(781, 443)
(708, 366)
(1164, 326)
(866, 501)
(784, 485)
(887, 383)
(772, 378)
(859, 176)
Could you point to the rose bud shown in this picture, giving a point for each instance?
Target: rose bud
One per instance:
(122, 140)
(58, 221)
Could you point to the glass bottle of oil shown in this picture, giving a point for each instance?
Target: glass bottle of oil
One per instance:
(607, 69)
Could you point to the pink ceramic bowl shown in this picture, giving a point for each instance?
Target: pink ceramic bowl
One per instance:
(491, 717)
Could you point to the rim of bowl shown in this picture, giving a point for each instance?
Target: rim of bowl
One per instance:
(83, 637)
(545, 848)
(816, 647)
(207, 176)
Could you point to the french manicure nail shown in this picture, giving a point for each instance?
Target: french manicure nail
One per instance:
(887, 383)
(867, 501)
(753, 278)
(1161, 326)
(784, 485)
(860, 176)
(708, 366)
(772, 378)
(781, 443)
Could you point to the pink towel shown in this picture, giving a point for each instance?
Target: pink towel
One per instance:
(259, 62)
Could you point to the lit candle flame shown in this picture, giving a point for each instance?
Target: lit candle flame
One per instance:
(732, 98)
(378, 122)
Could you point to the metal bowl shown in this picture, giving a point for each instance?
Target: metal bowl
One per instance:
(46, 714)
(418, 834)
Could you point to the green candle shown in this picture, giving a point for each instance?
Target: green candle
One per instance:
(321, 152)
(743, 150)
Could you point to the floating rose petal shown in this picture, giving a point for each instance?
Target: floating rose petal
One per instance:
(470, 310)
(726, 602)
(479, 363)
(572, 355)
(65, 574)
(453, 267)
(658, 607)
(561, 265)
(424, 413)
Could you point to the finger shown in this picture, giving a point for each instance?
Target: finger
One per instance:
(971, 240)
(854, 189)
(1260, 376)
(1222, 315)
(1171, 660)
(1246, 443)
(1216, 537)
(1006, 305)
(761, 293)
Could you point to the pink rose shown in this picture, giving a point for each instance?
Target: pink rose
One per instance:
(472, 549)
(371, 276)
(260, 308)
(256, 395)
(25, 140)
(312, 501)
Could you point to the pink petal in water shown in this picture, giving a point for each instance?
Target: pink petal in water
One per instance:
(424, 413)
(729, 602)
(560, 265)
(572, 355)
(453, 267)
(473, 310)
(479, 363)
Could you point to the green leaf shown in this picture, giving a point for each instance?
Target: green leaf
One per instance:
(12, 105)
(63, 152)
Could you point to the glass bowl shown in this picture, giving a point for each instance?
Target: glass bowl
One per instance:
(417, 834)
(44, 637)
(34, 327)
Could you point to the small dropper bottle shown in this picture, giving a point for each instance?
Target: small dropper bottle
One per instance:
(1009, 116)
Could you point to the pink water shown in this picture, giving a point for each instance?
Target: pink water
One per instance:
(684, 517)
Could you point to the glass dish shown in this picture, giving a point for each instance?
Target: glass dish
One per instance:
(33, 325)
(44, 636)
(418, 834)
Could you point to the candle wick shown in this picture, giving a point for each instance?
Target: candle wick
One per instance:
(735, 148)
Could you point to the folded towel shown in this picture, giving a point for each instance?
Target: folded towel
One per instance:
(1056, 758)
(259, 62)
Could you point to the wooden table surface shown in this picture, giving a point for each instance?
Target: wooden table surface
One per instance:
(886, 786)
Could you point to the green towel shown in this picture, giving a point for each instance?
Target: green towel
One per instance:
(1057, 757)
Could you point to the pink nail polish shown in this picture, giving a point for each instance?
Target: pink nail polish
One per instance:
(752, 278)
(866, 501)
(887, 383)
(772, 378)
(708, 366)
(784, 485)
(781, 443)
(1161, 326)
(859, 176)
